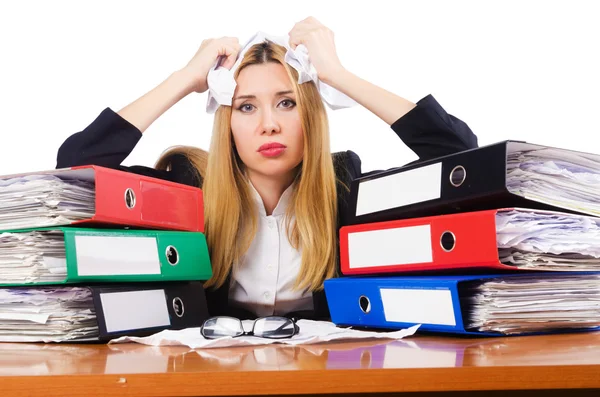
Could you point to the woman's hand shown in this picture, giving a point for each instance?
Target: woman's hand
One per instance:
(318, 40)
(146, 109)
(210, 50)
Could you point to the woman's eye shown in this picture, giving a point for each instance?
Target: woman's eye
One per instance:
(287, 103)
(246, 108)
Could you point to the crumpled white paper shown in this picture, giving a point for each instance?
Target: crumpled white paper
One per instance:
(221, 81)
(310, 332)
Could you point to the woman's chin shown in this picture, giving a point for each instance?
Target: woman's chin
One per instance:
(279, 171)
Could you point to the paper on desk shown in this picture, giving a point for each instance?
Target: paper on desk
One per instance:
(310, 332)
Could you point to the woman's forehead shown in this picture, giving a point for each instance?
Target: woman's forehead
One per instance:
(267, 78)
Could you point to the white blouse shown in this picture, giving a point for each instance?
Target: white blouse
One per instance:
(264, 279)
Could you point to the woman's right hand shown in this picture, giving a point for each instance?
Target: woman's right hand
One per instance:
(146, 109)
(210, 50)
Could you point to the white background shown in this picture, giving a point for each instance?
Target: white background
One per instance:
(525, 70)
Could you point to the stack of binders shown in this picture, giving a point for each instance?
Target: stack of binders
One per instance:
(90, 253)
(498, 240)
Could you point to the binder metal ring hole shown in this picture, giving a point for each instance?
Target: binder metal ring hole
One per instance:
(129, 198)
(172, 255)
(178, 307)
(448, 241)
(458, 175)
(364, 303)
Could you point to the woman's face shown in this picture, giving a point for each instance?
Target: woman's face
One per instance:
(265, 122)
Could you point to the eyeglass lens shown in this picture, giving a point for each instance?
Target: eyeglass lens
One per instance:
(274, 327)
(218, 327)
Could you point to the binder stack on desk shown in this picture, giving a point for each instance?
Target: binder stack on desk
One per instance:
(497, 240)
(91, 253)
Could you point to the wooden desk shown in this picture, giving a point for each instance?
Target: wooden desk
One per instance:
(419, 363)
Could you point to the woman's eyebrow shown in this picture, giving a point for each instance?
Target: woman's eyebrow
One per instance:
(279, 93)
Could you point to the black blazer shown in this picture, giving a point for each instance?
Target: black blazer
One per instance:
(427, 129)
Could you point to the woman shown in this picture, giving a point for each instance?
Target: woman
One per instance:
(274, 195)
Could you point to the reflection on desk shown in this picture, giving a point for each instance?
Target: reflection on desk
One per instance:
(415, 352)
(436, 352)
(418, 363)
(67, 359)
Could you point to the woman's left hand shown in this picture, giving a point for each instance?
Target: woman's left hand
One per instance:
(318, 40)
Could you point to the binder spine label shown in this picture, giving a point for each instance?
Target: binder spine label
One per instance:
(399, 190)
(134, 310)
(418, 306)
(116, 255)
(389, 247)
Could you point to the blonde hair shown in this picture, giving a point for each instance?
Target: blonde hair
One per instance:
(230, 215)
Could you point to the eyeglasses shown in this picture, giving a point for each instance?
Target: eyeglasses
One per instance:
(272, 327)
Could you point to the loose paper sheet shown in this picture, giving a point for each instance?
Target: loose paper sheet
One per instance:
(310, 332)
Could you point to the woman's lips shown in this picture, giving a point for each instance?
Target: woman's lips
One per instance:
(272, 149)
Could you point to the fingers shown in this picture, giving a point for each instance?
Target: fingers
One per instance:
(232, 41)
(296, 35)
(230, 52)
(227, 49)
(299, 33)
(307, 24)
(230, 59)
(296, 40)
(228, 41)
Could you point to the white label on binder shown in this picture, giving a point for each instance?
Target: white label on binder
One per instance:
(419, 306)
(116, 255)
(133, 310)
(401, 189)
(398, 246)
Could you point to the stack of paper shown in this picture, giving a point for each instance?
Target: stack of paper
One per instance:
(532, 303)
(49, 314)
(36, 256)
(548, 240)
(566, 180)
(44, 200)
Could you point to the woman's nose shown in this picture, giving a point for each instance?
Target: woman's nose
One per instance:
(270, 124)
